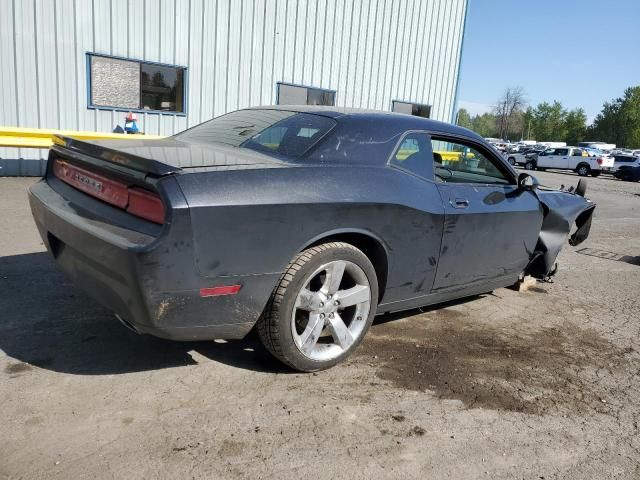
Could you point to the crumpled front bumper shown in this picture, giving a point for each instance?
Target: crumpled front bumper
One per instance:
(561, 211)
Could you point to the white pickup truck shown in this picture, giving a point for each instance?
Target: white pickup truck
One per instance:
(572, 158)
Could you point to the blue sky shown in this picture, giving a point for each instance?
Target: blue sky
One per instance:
(580, 52)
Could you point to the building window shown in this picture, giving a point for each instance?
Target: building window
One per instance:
(119, 83)
(288, 94)
(417, 109)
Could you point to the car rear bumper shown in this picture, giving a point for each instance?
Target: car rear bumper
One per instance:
(150, 282)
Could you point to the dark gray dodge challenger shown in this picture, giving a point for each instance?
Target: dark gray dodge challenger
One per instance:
(302, 221)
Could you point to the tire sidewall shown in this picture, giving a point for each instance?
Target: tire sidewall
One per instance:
(587, 170)
(289, 349)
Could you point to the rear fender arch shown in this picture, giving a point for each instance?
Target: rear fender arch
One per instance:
(376, 249)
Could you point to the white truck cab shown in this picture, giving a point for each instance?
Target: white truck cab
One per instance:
(574, 158)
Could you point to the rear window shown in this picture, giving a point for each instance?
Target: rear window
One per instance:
(278, 132)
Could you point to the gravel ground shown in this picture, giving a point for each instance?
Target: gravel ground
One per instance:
(540, 384)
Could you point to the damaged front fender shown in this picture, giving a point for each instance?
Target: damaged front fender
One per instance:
(561, 210)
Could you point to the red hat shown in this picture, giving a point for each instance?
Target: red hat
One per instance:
(131, 117)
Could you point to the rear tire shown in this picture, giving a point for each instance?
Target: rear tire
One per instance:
(323, 290)
(583, 170)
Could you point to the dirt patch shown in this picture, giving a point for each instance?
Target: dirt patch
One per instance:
(494, 367)
(231, 448)
(14, 368)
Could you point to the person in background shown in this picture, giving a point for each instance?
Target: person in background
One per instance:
(130, 123)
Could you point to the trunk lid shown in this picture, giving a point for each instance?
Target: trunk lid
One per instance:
(164, 157)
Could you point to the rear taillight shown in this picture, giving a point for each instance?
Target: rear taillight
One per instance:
(145, 204)
(599, 160)
(137, 201)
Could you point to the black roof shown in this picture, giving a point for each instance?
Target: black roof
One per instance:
(399, 119)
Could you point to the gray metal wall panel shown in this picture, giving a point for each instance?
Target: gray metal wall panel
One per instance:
(370, 51)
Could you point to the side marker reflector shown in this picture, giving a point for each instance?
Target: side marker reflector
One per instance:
(217, 291)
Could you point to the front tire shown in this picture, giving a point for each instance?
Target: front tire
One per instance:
(321, 308)
(529, 165)
(583, 170)
(512, 161)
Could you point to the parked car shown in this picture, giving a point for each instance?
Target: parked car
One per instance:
(599, 145)
(625, 160)
(516, 158)
(571, 158)
(302, 221)
(630, 173)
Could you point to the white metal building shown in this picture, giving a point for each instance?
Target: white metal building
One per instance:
(81, 65)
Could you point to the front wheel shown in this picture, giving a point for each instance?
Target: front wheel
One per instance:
(583, 170)
(529, 165)
(512, 161)
(321, 308)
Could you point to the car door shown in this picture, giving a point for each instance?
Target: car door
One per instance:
(491, 226)
(575, 158)
(546, 158)
(562, 158)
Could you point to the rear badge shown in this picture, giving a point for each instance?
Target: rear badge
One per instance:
(88, 181)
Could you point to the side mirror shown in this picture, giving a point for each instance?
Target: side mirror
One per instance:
(527, 182)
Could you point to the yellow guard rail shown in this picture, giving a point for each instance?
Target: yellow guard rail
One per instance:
(43, 138)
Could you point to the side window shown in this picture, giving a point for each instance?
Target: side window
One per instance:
(457, 162)
(577, 153)
(562, 151)
(414, 154)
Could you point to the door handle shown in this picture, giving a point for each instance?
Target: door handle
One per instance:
(459, 203)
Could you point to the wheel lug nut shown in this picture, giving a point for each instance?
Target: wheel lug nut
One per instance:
(322, 304)
(331, 315)
(322, 315)
(336, 303)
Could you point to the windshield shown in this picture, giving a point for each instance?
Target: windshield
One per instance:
(279, 132)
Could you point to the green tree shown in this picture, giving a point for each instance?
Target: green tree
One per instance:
(576, 126)
(548, 122)
(485, 125)
(527, 121)
(619, 120)
(464, 119)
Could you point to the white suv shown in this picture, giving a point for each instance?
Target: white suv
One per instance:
(572, 158)
(628, 160)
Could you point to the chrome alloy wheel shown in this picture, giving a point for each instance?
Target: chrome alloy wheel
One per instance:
(331, 310)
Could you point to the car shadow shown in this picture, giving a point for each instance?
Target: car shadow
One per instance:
(48, 322)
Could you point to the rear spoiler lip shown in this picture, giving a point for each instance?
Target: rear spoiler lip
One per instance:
(118, 157)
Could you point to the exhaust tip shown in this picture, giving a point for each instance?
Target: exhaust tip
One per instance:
(127, 324)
